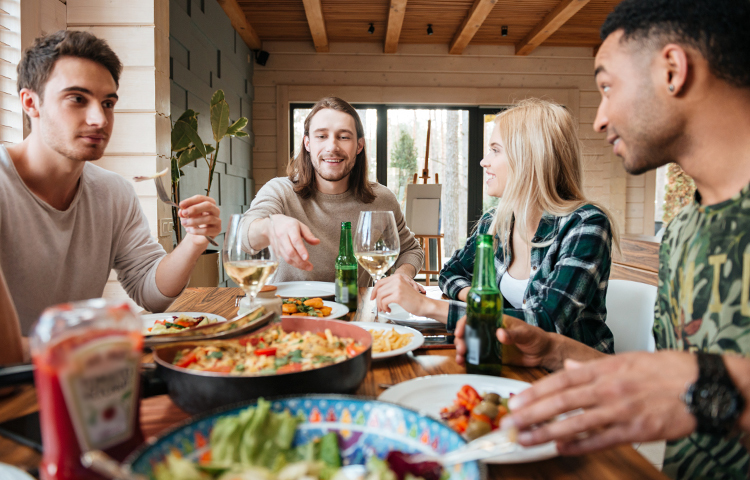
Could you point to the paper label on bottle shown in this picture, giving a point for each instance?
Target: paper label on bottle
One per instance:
(341, 291)
(99, 383)
(473, 345)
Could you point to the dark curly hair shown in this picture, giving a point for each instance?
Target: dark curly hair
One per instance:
(39, 59)
(718, 29)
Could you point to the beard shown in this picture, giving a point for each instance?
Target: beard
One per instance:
(75, 149)
(333, 177)
(654, 136)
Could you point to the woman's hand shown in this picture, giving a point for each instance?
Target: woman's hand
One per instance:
(398, 289)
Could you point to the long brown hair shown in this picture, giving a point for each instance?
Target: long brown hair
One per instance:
(300, 169)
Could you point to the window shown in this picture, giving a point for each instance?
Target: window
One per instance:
(396, 138)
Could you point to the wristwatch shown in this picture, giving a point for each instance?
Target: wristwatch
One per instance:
(713, 399)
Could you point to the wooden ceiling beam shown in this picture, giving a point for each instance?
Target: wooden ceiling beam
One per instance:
(314, 13)
(395, 22)
(551, 23)
(471, 24)
(239, 22)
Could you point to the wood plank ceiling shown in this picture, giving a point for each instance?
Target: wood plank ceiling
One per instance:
(455, 23)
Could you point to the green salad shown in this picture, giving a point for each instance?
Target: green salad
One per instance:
(256, 444)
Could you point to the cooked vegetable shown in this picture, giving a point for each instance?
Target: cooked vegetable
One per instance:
(306, 307)
(177, 324)
(271, 352)
(474, 415)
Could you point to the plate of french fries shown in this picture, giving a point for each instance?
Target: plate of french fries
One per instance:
(391, 340)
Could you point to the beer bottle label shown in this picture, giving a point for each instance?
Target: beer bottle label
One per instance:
(473, 347)
(342, 291)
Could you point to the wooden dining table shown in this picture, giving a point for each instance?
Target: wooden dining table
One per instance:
(160, 413)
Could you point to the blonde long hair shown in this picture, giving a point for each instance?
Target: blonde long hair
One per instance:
(545, 171)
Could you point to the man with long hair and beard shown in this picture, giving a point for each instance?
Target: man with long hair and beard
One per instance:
(326, 184)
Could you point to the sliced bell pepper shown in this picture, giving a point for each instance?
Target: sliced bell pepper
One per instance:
(468, 397)
(187, 360)
(270, 351)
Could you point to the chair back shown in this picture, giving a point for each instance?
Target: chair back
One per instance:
(630, 315)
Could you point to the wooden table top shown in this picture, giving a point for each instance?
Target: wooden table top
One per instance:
(159, 413)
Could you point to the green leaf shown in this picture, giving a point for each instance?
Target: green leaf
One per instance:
(180, 136)
(237, 127)
(191, 117)
(196, 139)
(175, 171)
(729, 344)
(192, 154)
(217, 97)
(219, 118)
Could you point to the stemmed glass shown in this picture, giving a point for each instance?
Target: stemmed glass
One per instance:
(376, 244)
(250, 269)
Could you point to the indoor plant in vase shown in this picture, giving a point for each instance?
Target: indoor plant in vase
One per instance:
(187, 147)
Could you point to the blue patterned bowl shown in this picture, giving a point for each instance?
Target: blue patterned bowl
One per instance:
(365, 428)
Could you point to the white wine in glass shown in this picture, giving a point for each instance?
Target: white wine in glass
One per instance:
(249, 269)
(376, 244)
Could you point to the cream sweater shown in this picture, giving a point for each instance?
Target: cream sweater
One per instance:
(323, 214)
(50, 256)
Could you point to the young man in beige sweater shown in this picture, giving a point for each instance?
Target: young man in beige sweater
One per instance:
(327, 184)
(64, 222)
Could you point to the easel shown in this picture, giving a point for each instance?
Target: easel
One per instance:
(424, 240)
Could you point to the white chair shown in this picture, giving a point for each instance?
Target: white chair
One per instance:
(630, 315)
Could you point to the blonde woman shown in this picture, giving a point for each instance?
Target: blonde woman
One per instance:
(553, 247)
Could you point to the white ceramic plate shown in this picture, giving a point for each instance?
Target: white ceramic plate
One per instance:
(337, 310)
(150, 319)
(402, 317)
(430, 394)
(416, 340)
(305, 289)
(9, 472)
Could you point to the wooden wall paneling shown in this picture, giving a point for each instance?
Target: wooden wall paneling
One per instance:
(471, 24)
(637, 260)
(137, 90)
(623, 272)
(283, 146)
(466, 64)
(134, 133)
(395, 22)
(553, 21)
(134, 45)
(315, 20)
(102, 12)
(649, 203)
(239, 21)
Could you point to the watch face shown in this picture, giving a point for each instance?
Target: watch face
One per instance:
(717, 401)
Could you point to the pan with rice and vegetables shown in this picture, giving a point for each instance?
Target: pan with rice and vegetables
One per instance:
(297, 355)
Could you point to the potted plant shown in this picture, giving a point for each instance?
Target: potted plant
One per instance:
(187, 147)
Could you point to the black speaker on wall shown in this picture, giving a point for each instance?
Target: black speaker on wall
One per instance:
(261, 57)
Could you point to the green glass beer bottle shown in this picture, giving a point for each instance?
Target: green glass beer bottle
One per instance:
(346, 269)
(484, 313)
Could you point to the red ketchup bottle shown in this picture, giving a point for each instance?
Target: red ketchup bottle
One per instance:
(86, 357)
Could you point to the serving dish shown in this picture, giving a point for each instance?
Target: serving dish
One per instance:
(402, 317)
(416, 341)
(149, 320)
(365, 427)
(430, 394)
(197, 391)
(305, 289)
(338, 310)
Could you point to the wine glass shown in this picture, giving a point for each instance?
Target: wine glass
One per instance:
(376, 244)
(250, 269)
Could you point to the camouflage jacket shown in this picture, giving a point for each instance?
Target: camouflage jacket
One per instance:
(703, 304)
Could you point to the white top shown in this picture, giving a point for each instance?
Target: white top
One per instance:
(50, 256)
(513, 290)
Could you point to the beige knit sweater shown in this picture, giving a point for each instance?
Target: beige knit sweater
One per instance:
(323, 214)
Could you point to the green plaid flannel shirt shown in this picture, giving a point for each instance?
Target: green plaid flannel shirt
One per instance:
(569, 277)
